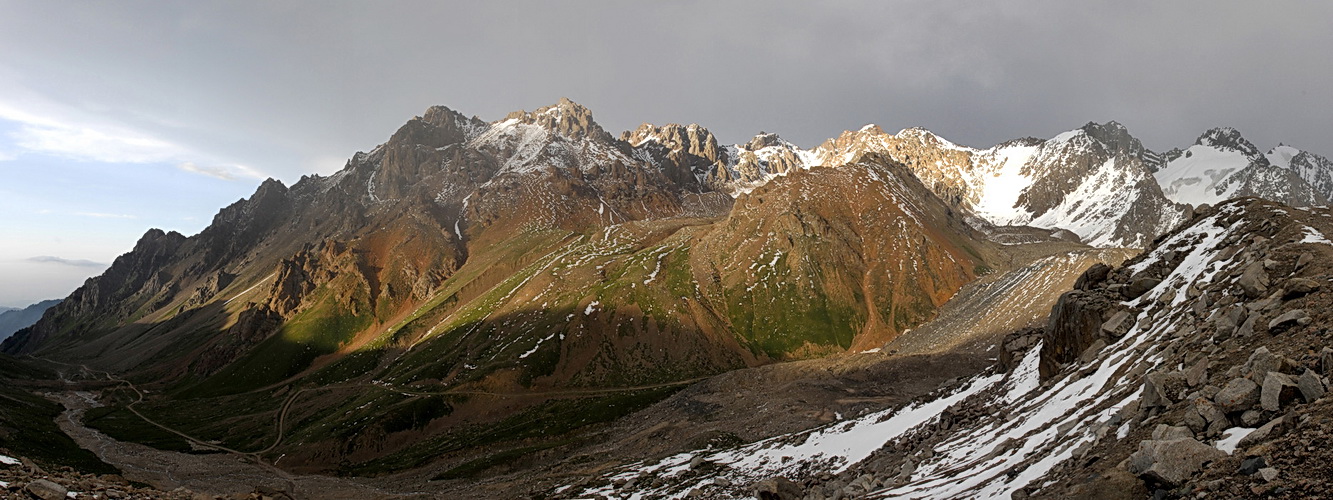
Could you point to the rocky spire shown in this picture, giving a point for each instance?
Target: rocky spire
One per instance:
(566, 118)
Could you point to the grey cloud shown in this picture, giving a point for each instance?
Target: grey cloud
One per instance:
(284, 86)
(48, 259)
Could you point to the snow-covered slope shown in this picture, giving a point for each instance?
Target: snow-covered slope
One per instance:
(1222, 165)
(1195, 176)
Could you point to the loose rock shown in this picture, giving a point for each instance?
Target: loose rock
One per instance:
(1278, 389)
(1239, 395)
(46, 490)
(778, 488)
(1311, 386)
(1173, 462)
(1288, 320)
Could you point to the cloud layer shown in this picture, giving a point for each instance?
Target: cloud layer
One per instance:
(48, 259)
(283, 88)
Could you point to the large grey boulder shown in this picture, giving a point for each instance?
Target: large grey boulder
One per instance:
(1311, 386)
(1163, 388)
(1300, 287)
(1227, 320)
(778, 488)
(46, 490)
(1118, 325)
(1254, 281)
(1172, 462)
(1278, 389)
(1263, 361)
(1239, 395)
(1270, 430)
(1205, 418)
(1289, 319)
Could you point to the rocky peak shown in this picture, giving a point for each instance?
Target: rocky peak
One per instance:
(566, 118)
(439, 126)
(693, 139)
(1227, 138)
(872, 129)
(442, 116)
(764, 140)
(922, 136)
(156, 238)
(1022, 141)
(1115, 137)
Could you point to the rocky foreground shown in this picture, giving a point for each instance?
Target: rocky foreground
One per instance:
(21, 478)
(1198, 370)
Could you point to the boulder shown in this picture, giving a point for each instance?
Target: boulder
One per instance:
(1197, 374)
(46, 490)
(1226, 321)
(1311, 386)
(1247, 328)
(1251, 418)
(1173, 462)
(1205, 418)
(1305, 258)
(1254, 281)
(1326, 361)
(1239, 395)
(1163, 389)
(1090, 354)
(1289, 319)
(1268, 474)
(1094, 276)
(1261, 362)
(1075, 322)
(1268, 431)
(1252, 465)
(1299, 287)
(1118, 325)
(778, 488)
(1279, 389)
(1140, 286)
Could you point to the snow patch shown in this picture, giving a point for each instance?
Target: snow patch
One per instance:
(1001, 186)
(4, 460)
(1313, 235)
(1231, 437)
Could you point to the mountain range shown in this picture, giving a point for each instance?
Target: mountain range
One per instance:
(13, 320)
(472, 292)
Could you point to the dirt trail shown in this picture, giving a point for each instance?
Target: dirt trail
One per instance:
(215, 473)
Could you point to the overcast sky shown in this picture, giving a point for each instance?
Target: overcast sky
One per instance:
(120, 116)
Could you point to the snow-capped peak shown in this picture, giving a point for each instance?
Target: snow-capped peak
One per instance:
(1281, 155)
(1227, 138)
